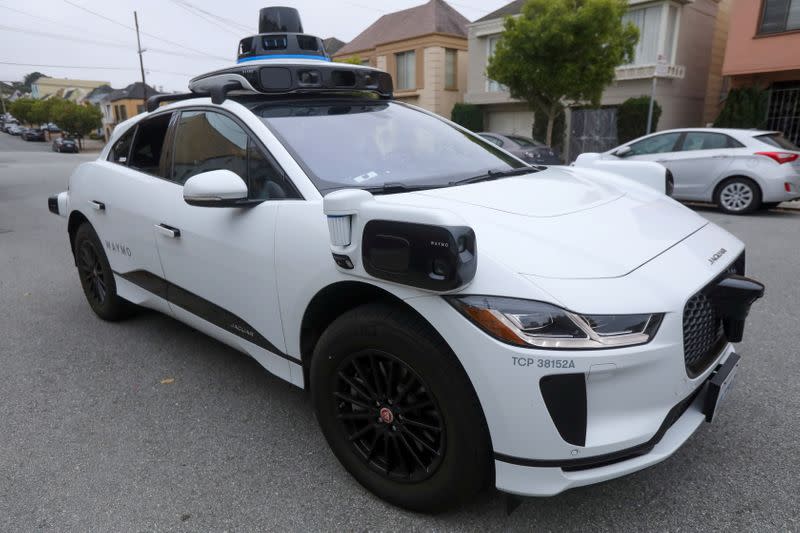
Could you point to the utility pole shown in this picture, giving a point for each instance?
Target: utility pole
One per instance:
(141, 62)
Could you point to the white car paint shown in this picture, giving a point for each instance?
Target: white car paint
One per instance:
(582, 239)
(699, 173)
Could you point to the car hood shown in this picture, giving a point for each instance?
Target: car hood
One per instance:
(564, 222)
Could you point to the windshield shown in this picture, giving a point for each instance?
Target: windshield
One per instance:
(368, 144)
(524, 142)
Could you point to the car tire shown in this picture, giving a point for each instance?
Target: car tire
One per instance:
(738, 196)
(97, 278)
(398, 410)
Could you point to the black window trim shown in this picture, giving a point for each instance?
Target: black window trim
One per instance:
(132, 131)
(250, 136)
(136, 134)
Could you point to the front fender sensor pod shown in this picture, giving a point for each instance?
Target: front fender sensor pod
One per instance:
(421, 247)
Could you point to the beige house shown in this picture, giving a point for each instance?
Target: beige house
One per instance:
(74, 90)
(675, 46)
(424, 48)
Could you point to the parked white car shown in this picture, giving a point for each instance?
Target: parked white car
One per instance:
(460, 318)
(739, 170)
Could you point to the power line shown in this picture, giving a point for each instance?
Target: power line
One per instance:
(203, 17)
(90, 67)
(64, 37)
(210, 17)
(96, 14)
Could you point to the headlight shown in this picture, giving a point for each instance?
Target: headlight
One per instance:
(530, 323)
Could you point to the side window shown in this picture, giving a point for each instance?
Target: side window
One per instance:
(266, 181)
(148, 145)
(658, 144)
(121, 150)
(208, 141)
(212, 141)
(697, 140)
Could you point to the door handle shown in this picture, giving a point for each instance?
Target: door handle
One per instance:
(97, 206)
(168, 231)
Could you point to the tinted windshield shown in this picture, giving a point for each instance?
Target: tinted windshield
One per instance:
(523, 142)
(372, 143)
(778, 141)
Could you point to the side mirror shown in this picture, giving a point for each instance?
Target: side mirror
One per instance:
(622, 152)
(216, 188)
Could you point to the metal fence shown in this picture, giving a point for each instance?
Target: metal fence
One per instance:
(783, 112)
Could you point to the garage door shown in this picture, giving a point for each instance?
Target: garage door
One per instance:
(509, 122)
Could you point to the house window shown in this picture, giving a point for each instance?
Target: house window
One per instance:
(780, 15)
(652, 41)
(491, 85)
(406, 70)
(450, 61)
(139, 109)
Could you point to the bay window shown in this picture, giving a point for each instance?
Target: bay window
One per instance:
(406, 70)
(491, 85)
(658, 30)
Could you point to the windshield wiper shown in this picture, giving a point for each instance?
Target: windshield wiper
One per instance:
(396, 187)
(496, 174)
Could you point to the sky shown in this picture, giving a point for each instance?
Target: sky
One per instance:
(182, 38)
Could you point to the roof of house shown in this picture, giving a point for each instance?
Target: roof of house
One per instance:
(512, 8)
(133, 91)
(98, 93)
(435, 16)
(332, 45)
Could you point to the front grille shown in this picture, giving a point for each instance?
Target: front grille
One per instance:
(702, 333)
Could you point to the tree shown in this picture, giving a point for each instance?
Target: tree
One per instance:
(561, 50)
(744, 108)
(77, 120)
(352, 60)
(468, 115)
(632, 118)
(22, 108)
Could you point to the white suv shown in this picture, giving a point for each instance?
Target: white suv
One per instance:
(459, 318)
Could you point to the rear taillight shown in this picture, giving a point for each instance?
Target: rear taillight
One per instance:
(780, 157)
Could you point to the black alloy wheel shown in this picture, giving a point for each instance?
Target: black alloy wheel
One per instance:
(398, 409)
(390, 416)
(97, 278)
(92, 274)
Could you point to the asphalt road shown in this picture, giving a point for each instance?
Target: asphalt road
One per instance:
(91, 440)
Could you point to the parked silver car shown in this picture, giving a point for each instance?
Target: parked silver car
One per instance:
(740, 170)
(530, 151)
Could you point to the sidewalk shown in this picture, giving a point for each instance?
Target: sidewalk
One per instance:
(790, 205)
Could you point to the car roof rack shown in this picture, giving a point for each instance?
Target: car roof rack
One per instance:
(155, 101)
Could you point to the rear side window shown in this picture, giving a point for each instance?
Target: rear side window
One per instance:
(147, 154)
(657, 144)
(122, 148)
(778, 141)
(701, 140)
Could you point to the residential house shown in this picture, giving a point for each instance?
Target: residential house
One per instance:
(332, 45)
(763, 49)
(121, 104)
(424, 48)
(674, 46)
(74, 90)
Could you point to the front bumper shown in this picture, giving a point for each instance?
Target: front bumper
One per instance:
(537, 478)
(630, 420)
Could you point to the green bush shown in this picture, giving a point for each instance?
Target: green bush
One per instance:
(744, 108)
(632, 118)
(539, 129)
(468, 115)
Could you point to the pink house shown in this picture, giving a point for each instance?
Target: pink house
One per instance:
(763, 50)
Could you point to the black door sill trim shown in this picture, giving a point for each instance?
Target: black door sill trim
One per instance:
(199, 306)
(585, 463)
